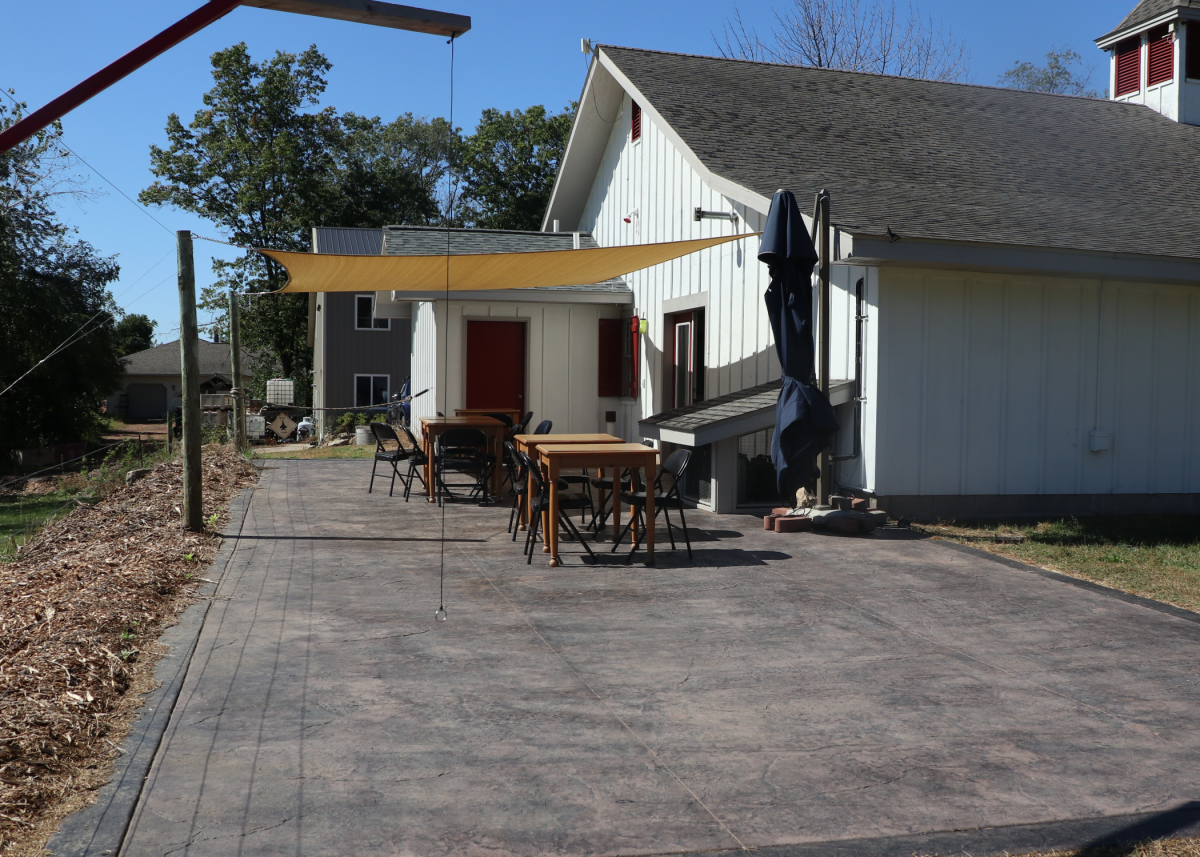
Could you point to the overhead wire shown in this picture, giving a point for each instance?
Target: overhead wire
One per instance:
(452, 190)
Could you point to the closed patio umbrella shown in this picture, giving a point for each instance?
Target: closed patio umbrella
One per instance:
(804, 419)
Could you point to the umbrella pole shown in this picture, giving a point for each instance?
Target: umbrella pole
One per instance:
(823, 489)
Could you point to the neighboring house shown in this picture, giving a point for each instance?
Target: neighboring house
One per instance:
(1029, 267)
(557, 351)
(359, 359)
(153, 382)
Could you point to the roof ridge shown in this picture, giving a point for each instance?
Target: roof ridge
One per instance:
(473, 230)
(873, 74)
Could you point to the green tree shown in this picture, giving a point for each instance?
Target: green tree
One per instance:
(134, 333)
(264, 163)
(509, 164)
(53, 290)
(1063, 74)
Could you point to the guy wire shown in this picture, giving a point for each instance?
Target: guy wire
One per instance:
(448, 216)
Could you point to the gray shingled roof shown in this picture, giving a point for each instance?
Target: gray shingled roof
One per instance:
(940, 161)
(347, 241)
(164, 360)
(692, 418)
(1147, 10)
(432, 241)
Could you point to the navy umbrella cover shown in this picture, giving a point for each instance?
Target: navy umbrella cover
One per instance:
(804, 420)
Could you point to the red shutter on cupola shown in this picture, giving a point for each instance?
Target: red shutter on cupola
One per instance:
(1129, 66)
(1161, 61)
(637, 121)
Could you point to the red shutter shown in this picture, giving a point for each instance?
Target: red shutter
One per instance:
(612, 340)
(634, 375)
(637, 121)
(1129, 66)
(1161, 61)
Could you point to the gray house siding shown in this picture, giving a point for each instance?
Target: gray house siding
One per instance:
(350, 352)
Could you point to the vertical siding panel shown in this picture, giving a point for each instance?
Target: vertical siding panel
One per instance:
(983, 400)
(942, 412)
(556, 344)
(1171, 393)
(584, 369)
(1133, 425)
(535, 335)
(1191, 428)
(902, 313)
(1023, 388)
(1063, 338)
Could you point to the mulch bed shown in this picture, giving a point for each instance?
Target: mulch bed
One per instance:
(80, 611)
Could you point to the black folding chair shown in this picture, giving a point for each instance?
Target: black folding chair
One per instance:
(544, 427)
(463, 450)
(523, 425)
(605, 483)
(416, 463)
(540, 502)
(519, 475)
(676, 465)
(384, 435)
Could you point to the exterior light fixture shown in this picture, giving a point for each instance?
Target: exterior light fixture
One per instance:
(701, 214)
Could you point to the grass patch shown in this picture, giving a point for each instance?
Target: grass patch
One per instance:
(1155, 556)
(365, 452)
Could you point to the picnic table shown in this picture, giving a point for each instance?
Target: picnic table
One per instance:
(431, 427)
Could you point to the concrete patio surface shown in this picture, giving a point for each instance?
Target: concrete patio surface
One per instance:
(794, 694)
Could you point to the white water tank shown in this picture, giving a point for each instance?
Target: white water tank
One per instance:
(280, 391)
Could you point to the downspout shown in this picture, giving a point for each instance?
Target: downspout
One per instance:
(859, 318)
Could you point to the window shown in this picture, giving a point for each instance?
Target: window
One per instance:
(685, 353)
(1129, 66)
(371, 390)
(636, 124)
(1160, 59)
(612, 346)
(1193, 52)
(697, 481)
(364, 314)
(755, 472)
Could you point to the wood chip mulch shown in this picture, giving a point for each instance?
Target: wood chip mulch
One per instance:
(80, 611)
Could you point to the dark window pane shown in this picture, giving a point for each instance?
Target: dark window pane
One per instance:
(379, 390)
(1193, 52)
(363, 306)
(362, 391)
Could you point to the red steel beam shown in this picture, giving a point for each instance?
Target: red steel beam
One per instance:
(106, 77)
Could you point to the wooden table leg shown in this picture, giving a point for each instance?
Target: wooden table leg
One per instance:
(552, 524)
(616, 501)
(602, 497)
(430, 488)
(497, 478)
(649, 520)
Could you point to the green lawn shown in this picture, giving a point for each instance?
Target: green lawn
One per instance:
(1156, 556)
(18, 512)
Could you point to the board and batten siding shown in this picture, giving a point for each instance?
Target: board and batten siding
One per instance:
(348, 351)
(991, 385)
(652, 178)
(562, 344)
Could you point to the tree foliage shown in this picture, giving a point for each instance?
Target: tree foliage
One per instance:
(52, 287)
(264, 163)
(1063, 74)
(851, 35)
(134, 333)
(509, 164)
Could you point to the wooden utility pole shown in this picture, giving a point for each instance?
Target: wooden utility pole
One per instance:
(189, 358)
(823, 320)
(235, 362)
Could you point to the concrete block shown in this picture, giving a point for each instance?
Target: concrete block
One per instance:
(769, 522)
(793, 524)
(860, 504)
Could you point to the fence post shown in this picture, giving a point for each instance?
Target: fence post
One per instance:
(235, 360)
(189, 354)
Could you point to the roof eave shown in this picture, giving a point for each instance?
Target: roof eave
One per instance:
(1119, 35)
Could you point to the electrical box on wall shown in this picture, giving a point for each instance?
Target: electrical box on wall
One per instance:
(1098, 441)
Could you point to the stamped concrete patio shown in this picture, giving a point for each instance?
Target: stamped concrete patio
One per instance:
(796, 694)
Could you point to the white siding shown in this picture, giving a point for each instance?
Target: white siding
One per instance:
(991, 385)
(562, 359)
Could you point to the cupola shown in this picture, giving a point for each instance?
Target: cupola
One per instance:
(1153, 61)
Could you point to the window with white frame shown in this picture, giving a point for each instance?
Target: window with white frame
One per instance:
(371, 390)
(364, 314)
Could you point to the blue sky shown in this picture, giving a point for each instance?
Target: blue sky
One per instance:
(516, 55)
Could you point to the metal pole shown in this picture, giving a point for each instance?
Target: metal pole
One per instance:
(189, 357)
(823, 316)
(235, 360)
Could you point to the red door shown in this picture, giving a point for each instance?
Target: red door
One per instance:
(496, 364)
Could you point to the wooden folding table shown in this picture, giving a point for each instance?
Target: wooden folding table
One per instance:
(528, 444)
(554, 457)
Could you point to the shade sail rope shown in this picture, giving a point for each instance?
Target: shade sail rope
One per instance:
(451, 189)
(328, 272)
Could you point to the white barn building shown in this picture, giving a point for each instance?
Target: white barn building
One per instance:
(1029, 267)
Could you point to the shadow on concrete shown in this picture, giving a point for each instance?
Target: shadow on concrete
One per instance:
(1123, 842)
(349, 539)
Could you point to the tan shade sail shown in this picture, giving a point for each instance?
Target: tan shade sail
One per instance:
(328, 272)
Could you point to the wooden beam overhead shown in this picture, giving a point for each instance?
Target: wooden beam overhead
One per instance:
(374, 13)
